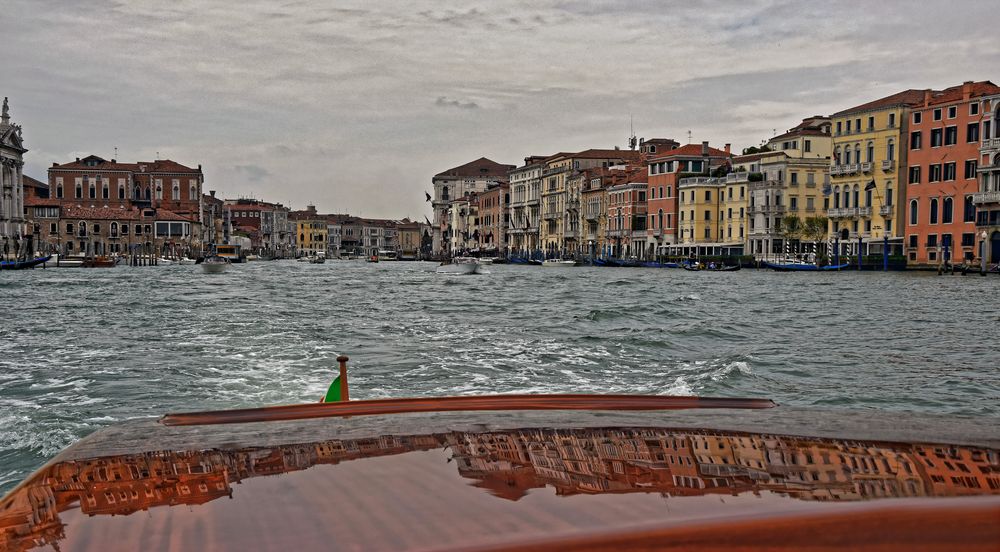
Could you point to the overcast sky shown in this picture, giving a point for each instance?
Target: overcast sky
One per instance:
(355, 107)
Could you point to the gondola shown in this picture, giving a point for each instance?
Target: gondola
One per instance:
(21, 265)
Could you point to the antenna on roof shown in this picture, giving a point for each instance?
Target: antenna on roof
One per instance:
(689, 136)
(631, 133)
(116, 152)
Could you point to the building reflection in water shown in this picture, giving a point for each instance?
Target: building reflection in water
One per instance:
(508, 464)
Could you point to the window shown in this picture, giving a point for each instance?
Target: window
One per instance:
(974, 108)
(53, 228)
(913, 241)
(915, 175)
(934, 211)
(59, 191)
(913, 212)
(972, 133)
(871, 123)
(935, 173)
(949, 171)
(124, 229)
(892, 120)
(838, 128)
(915, 140)
(953, 112)
(947, 210)
(808, 145)
(159, 189)
(890, 150)
(708, 195)
(793, 204)
(932, 240)
(937, 114)
(969, 239)
(794, 176)
(870, 153)
(106, 189)
(848, 126)
(93, 189)
(950, 136)
(857, 124)
(970, 169)
(708, 215)
(193, 190)
(936, 137)
(916, 118)
(969, 214)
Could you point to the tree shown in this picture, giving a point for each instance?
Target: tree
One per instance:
(756, 149)
(791, 227)
(814, 228)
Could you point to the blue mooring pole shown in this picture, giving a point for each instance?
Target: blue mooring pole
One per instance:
(860, 245)
(885, 253)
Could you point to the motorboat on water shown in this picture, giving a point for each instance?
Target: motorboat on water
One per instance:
(460, 265)
(215, 264)
(517, 472)
(801, 266)
(317, 259)
(559, 263)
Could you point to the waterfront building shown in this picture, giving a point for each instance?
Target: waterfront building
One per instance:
(559, 233)
(525, 202)
(12, 152)
(626, 214)
(215, 226)
(869, 147)
(594, 207)
(351, 238)
(457, 182)
(661, 202)
(378, 235)
(987, 200)
(412, 236)
(310, 231)
(265, 223)
(494, 216)
(786, 214)
(665, 171)
(942, 174)
(463, 224)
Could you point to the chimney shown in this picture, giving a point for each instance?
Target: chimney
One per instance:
(211, 193)
(114, 161)
(77, 159)
(728, 147)
(966, 90)
(927, 97)
(704, 149)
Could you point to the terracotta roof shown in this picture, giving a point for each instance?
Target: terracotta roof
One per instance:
(32, 201)
(158, 166)
(690, 150)
(598, 154)
(801, 132)
(755, 156)
(910, 97)
(28, 181)
(99, 213)
(957, 93)
(479, 167)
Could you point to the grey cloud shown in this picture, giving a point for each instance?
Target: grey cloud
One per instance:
(446, 102)
(253, 173)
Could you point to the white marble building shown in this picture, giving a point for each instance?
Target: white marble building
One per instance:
(11, 182)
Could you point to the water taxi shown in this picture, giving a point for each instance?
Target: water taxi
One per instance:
(460, 265)
(232, 252)
(215, 264)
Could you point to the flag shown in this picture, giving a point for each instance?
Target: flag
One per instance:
(428, 220)
(333, 393)
(870, 185)
(428, 196)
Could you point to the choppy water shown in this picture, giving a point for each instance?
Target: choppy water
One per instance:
(80, 349)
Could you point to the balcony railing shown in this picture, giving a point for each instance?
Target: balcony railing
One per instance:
(849, 212)
(551, 215)
(554, 170)
(887, 164)
(986, 197)
(866, 167)
(887, 210)
(570, 234)
(990, 143)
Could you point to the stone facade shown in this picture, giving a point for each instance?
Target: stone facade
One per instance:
(12, 151)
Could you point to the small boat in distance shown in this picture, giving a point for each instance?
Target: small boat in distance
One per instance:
(215, 264)
(559, 263)
(317, 259)
(460, 265)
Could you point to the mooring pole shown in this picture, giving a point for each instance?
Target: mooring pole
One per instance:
(344, 395)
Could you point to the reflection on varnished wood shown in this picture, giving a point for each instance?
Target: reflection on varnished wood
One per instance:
(508, 464)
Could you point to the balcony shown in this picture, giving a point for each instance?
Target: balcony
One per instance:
(654, 232)
(835, 170)
(593, 216)
(887, 211)
(571, 234)
(982, 198)
(617, 233)
(737, 177)
(991, 143)
(849, 212)
(554, 170)
(551, 215)
(887, 164)
(866, 167)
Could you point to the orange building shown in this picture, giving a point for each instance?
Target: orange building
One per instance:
(941, 174)
(626, 227)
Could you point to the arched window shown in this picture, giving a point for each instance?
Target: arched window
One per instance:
(913, 212)
(659, 216)
(856, 196)
(847, 155)
(836, 156)
(138, 192)
(79, 190)
(114, 229)
(868, 198)
(59, 191)
(857, 153)
(970, 210)
(947, 210)
(93, 189)
(82, 228)
(847, 197)
(871, 152)
(836, 197)
(121, 190)
(159, 190)
(890, 150)
(934, 211)
(106, 189)
(193, 192)
(444, 193)
(146, 192)
(175, 192)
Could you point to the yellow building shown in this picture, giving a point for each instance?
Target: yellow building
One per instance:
(869, 145)
(711, 216)
(310, 236)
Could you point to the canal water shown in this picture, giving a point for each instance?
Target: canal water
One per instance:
(81, 349)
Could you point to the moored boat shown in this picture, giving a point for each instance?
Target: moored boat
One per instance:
(21, 265)
(317, 259)
(803, 267)
(559, 263)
